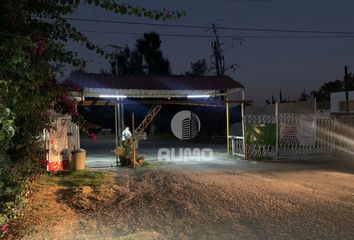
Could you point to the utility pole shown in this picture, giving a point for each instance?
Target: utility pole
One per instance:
(116, 62)
(346, 87)
(227, 124)
(114, 58)
(219, 60)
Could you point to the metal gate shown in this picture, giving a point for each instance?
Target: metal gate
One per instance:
(305, 134)
(238, 143)
(344, 134)
(260, 136)
(285, 134)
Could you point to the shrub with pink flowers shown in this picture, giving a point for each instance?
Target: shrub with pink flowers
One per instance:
(4, 228)
(32, 39)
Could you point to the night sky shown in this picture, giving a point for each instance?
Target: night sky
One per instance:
(266, 65)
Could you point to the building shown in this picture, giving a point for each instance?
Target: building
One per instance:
(338, 102)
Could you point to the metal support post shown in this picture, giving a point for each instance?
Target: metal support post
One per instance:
(116, 130)
(276, 130)
(227, 124)
(133, 142)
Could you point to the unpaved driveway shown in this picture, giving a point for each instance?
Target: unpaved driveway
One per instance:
(306, 200)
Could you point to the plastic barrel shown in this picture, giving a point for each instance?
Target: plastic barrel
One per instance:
(79, 156)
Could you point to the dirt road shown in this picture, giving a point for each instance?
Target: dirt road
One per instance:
(247, 200)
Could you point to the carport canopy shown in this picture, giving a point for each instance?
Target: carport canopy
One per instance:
(159, 88)
(172, 86)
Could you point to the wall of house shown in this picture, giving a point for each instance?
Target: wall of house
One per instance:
(338, 104)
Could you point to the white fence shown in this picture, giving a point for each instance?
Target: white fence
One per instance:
(286, 133)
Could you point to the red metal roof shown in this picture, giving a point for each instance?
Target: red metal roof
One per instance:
(172, 82)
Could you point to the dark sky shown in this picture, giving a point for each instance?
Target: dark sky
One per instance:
(266, 65)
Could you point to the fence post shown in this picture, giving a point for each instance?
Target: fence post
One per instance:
(77, 129)
(116, 130)
(244, 123)
(336, 141)
(243, 129)
(276, 130)
(332, 131)
(227, 124)
(232, 145)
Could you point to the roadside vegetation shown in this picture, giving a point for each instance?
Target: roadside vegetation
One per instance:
(200, 202)
(73, 179)
(33, 37)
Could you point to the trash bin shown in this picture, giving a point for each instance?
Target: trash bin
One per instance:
(79, 156)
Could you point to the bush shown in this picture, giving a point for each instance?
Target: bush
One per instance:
(32, 37)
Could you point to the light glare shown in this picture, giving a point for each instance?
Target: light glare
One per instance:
(112, 96)
(198, 96)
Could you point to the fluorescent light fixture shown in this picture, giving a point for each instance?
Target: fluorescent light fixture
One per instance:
(112, 96)
(198, 96)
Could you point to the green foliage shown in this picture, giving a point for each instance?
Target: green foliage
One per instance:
(146, 58)
(149, 48)
(127, 62)
(7, 128)
(262, 134)
(323, 94)
(32, 40)
(14, 191)
(199, 68)
(74, 179)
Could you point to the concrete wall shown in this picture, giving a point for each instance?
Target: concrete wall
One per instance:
(292, 107)
(337, 98)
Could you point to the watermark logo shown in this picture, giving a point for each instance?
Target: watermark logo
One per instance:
(185, 125)
(185, 154)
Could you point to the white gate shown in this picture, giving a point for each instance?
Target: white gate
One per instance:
(238, 143)
(237, 146)
(274, 134)
(304, 134)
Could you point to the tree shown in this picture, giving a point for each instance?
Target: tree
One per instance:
(199, 68)
(33, 34)
(145, 58)
(218, 63)
(136, 66)
(323, 94)
(126, 62)
(149, 48)
(272, 101)
(304, 96)
(119, 60)
(280, 96)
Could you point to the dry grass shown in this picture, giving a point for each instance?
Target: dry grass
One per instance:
(210, 204)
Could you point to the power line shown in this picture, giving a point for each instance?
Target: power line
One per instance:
(226, 36)
(206, 27)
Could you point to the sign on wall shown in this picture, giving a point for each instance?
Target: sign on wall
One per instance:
(302, 130)
(307, 130)
(58, 143)
(288, 131)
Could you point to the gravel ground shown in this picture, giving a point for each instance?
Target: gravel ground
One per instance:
(238, 200)
(100, 155)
